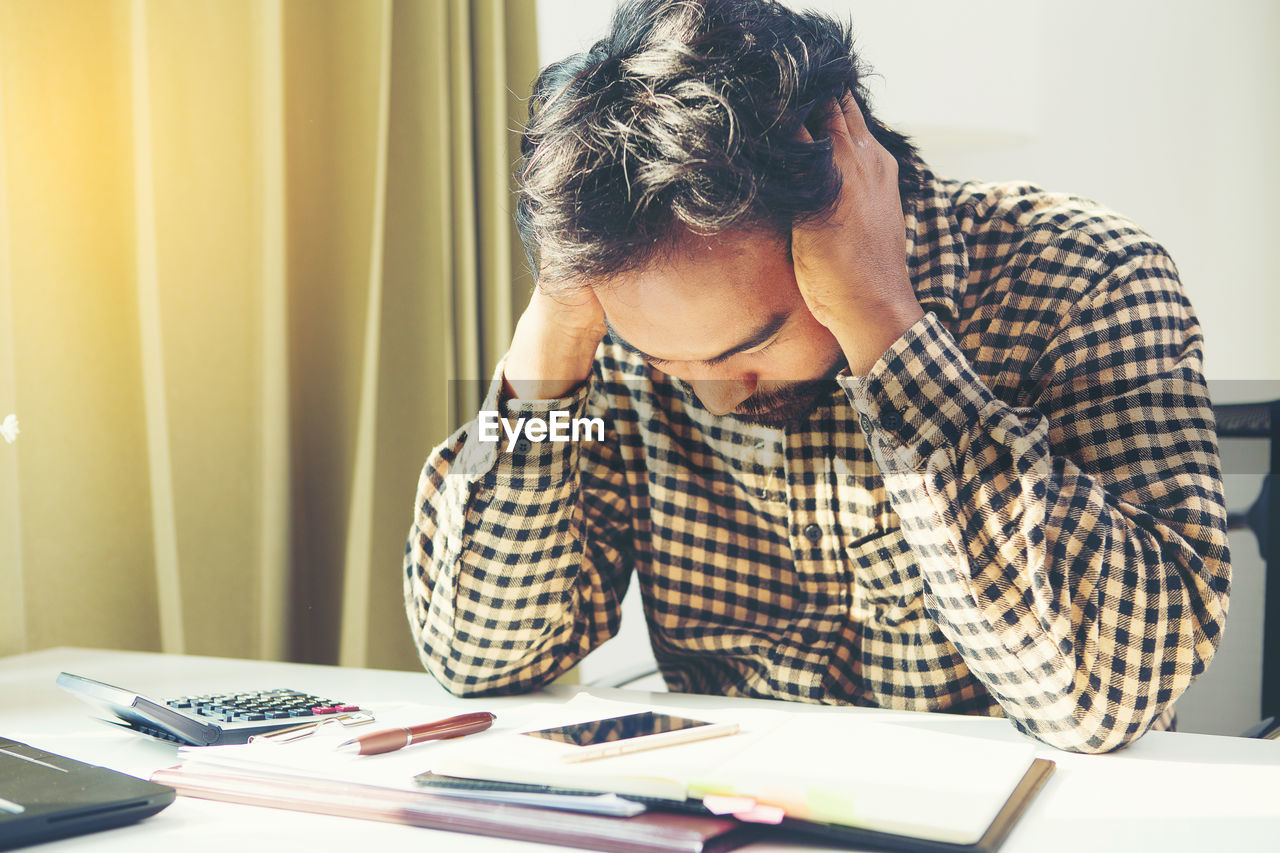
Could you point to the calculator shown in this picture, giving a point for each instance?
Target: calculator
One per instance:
(205, 720)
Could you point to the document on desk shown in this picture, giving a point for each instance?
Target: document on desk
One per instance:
(833, 773)
(318, 757)
(312, 775)
(816, 769)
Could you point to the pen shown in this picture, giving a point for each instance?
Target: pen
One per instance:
(389, 740)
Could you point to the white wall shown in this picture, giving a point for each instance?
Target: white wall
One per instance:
(1168, 112)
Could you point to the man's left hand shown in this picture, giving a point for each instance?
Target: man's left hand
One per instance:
(852, 267)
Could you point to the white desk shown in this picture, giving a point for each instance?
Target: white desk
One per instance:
(1169, 792)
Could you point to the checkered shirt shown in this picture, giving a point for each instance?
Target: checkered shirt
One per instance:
(1018, 511)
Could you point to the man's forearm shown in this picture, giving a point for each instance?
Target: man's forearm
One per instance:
(1084, 603)
(553, 346)
(502, 591)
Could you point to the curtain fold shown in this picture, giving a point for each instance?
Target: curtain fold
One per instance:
(13, 622)
(246, 249)
(151, 338)
(86, 566)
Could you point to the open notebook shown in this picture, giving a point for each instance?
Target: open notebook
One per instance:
(837, 774)
(822, 771)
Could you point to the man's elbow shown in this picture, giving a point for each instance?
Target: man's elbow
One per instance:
(1097, 718)
(471, 677)
(1089, 736)
(472, 685)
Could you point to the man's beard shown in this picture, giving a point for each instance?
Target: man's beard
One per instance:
(789, 402)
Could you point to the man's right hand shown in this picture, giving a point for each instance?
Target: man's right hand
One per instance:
(554, 344)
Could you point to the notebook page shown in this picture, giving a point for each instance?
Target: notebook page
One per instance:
(837, 768)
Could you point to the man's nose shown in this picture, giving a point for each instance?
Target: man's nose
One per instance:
(722, 395)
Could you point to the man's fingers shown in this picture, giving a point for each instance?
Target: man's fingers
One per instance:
(854, 121)
(854, 147)
(838, 126)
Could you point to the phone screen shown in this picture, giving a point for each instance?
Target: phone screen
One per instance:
(617, 728)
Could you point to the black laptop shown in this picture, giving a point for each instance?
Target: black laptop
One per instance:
(45, 796)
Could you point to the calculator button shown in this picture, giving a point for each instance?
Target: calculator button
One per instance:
(276, 704)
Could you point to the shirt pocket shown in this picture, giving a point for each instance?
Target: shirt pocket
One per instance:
(888, 590)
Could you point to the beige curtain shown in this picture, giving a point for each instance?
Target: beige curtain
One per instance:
(245, 246)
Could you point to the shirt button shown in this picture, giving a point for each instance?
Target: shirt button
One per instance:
(763, 494)
(813, 533)
(867, 425)
(891, 419)
(523, 445)
(809, 636)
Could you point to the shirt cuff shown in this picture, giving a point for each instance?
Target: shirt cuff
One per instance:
(922, 395)
(492, 454)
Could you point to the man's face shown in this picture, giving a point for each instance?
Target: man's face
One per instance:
(724, 316)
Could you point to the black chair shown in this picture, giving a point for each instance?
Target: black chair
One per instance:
(1261, 421)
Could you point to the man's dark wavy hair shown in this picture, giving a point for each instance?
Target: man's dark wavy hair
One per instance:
(682, 120)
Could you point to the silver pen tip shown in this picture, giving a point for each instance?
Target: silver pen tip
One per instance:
(350, 747)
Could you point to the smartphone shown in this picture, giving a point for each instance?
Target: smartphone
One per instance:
(630, 733)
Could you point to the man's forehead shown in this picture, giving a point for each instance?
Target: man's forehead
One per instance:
(704, 301)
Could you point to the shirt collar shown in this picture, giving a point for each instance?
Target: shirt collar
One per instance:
(936, 255)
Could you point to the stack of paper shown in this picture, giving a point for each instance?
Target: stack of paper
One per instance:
(829, 767)
(828, 772)
(312, 775)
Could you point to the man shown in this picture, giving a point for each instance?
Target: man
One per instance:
(873, 437)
